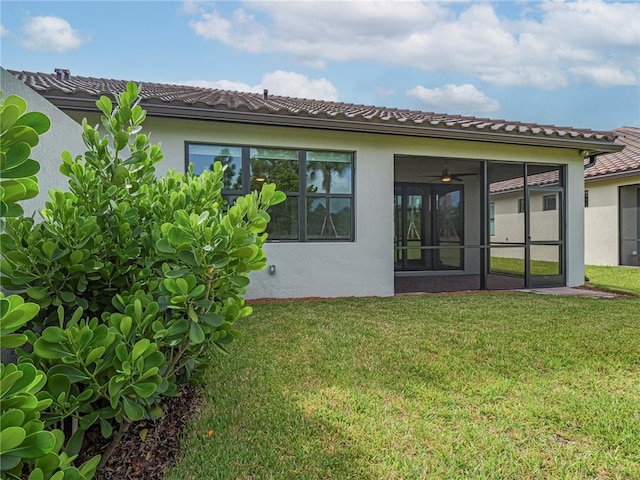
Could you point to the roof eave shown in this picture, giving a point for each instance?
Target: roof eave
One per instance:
(193, 112)
(613, 176)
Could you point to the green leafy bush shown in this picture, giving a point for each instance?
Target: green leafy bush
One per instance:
(136, 277)
(26, 446)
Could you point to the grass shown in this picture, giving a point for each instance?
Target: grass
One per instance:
(515, 266)
(616, 279)
(487, 386)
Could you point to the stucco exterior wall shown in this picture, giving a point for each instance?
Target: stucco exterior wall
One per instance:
(363, 267)
(64, 134)
(602, 233)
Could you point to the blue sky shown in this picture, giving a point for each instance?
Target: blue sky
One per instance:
(562, 63)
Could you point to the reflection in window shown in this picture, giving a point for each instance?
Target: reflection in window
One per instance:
(549, 202)
(204, 156)
(329, 218)
(328, 172)
(284, 220)
(319, 203)
(275, 166)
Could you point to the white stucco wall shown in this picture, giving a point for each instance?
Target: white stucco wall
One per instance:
(575, 222)
(64, 134)
(363, 267)
(602, 235)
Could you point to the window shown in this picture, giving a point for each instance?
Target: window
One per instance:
(586, 198)
(492, 219)
(521, 205)
(318, 184)
(549, 202)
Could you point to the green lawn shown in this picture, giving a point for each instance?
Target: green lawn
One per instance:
(616, 279)
(488, 386)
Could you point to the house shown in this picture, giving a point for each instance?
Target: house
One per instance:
(380, 200)
(612, 204)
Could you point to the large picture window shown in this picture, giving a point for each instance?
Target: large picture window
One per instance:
(318, 184)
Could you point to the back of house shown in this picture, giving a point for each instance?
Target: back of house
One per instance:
(379, 201)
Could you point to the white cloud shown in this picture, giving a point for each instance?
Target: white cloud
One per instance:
(4, 32)
(52, 34)
(465, 99)
(289, 84)
(605, 76)
(546, 44)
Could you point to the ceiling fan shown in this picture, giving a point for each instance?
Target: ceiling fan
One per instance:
(447, 176)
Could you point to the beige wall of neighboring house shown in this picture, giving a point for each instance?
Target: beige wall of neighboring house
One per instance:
(612, 233)
(602, 222)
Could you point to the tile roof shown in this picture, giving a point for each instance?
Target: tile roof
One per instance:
(325, 114)
(623, 163)
(611, 165)
(517, 184)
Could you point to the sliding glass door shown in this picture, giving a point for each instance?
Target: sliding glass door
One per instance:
(526, 225)
(428, 227)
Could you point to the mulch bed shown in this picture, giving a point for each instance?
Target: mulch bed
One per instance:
(149, 447)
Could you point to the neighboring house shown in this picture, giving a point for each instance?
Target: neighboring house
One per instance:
(380, 200)
(612, 204)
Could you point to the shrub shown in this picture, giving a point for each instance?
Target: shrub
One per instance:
(25, 444)
(136, 277)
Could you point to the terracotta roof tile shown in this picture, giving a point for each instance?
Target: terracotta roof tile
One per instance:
(258, 102)
(624, 162)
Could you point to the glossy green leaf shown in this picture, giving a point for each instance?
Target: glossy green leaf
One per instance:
(54, 335)
(188, 257)
(13, 340)
(8, 462)
(12, 418)
(211, 319)
(49, 350)
(178, 236)
(73, 374)
(196, 334)
(163, 246)
(132, 409)
(36, 445)
(36, 120)
(14, 157)
(94, 355)
(240, 281)
(67, 296)
(20, 134)
(58, 384)
(144, 389)
(8, 116)
(11, 438)
(38, 293)
(139, 348)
